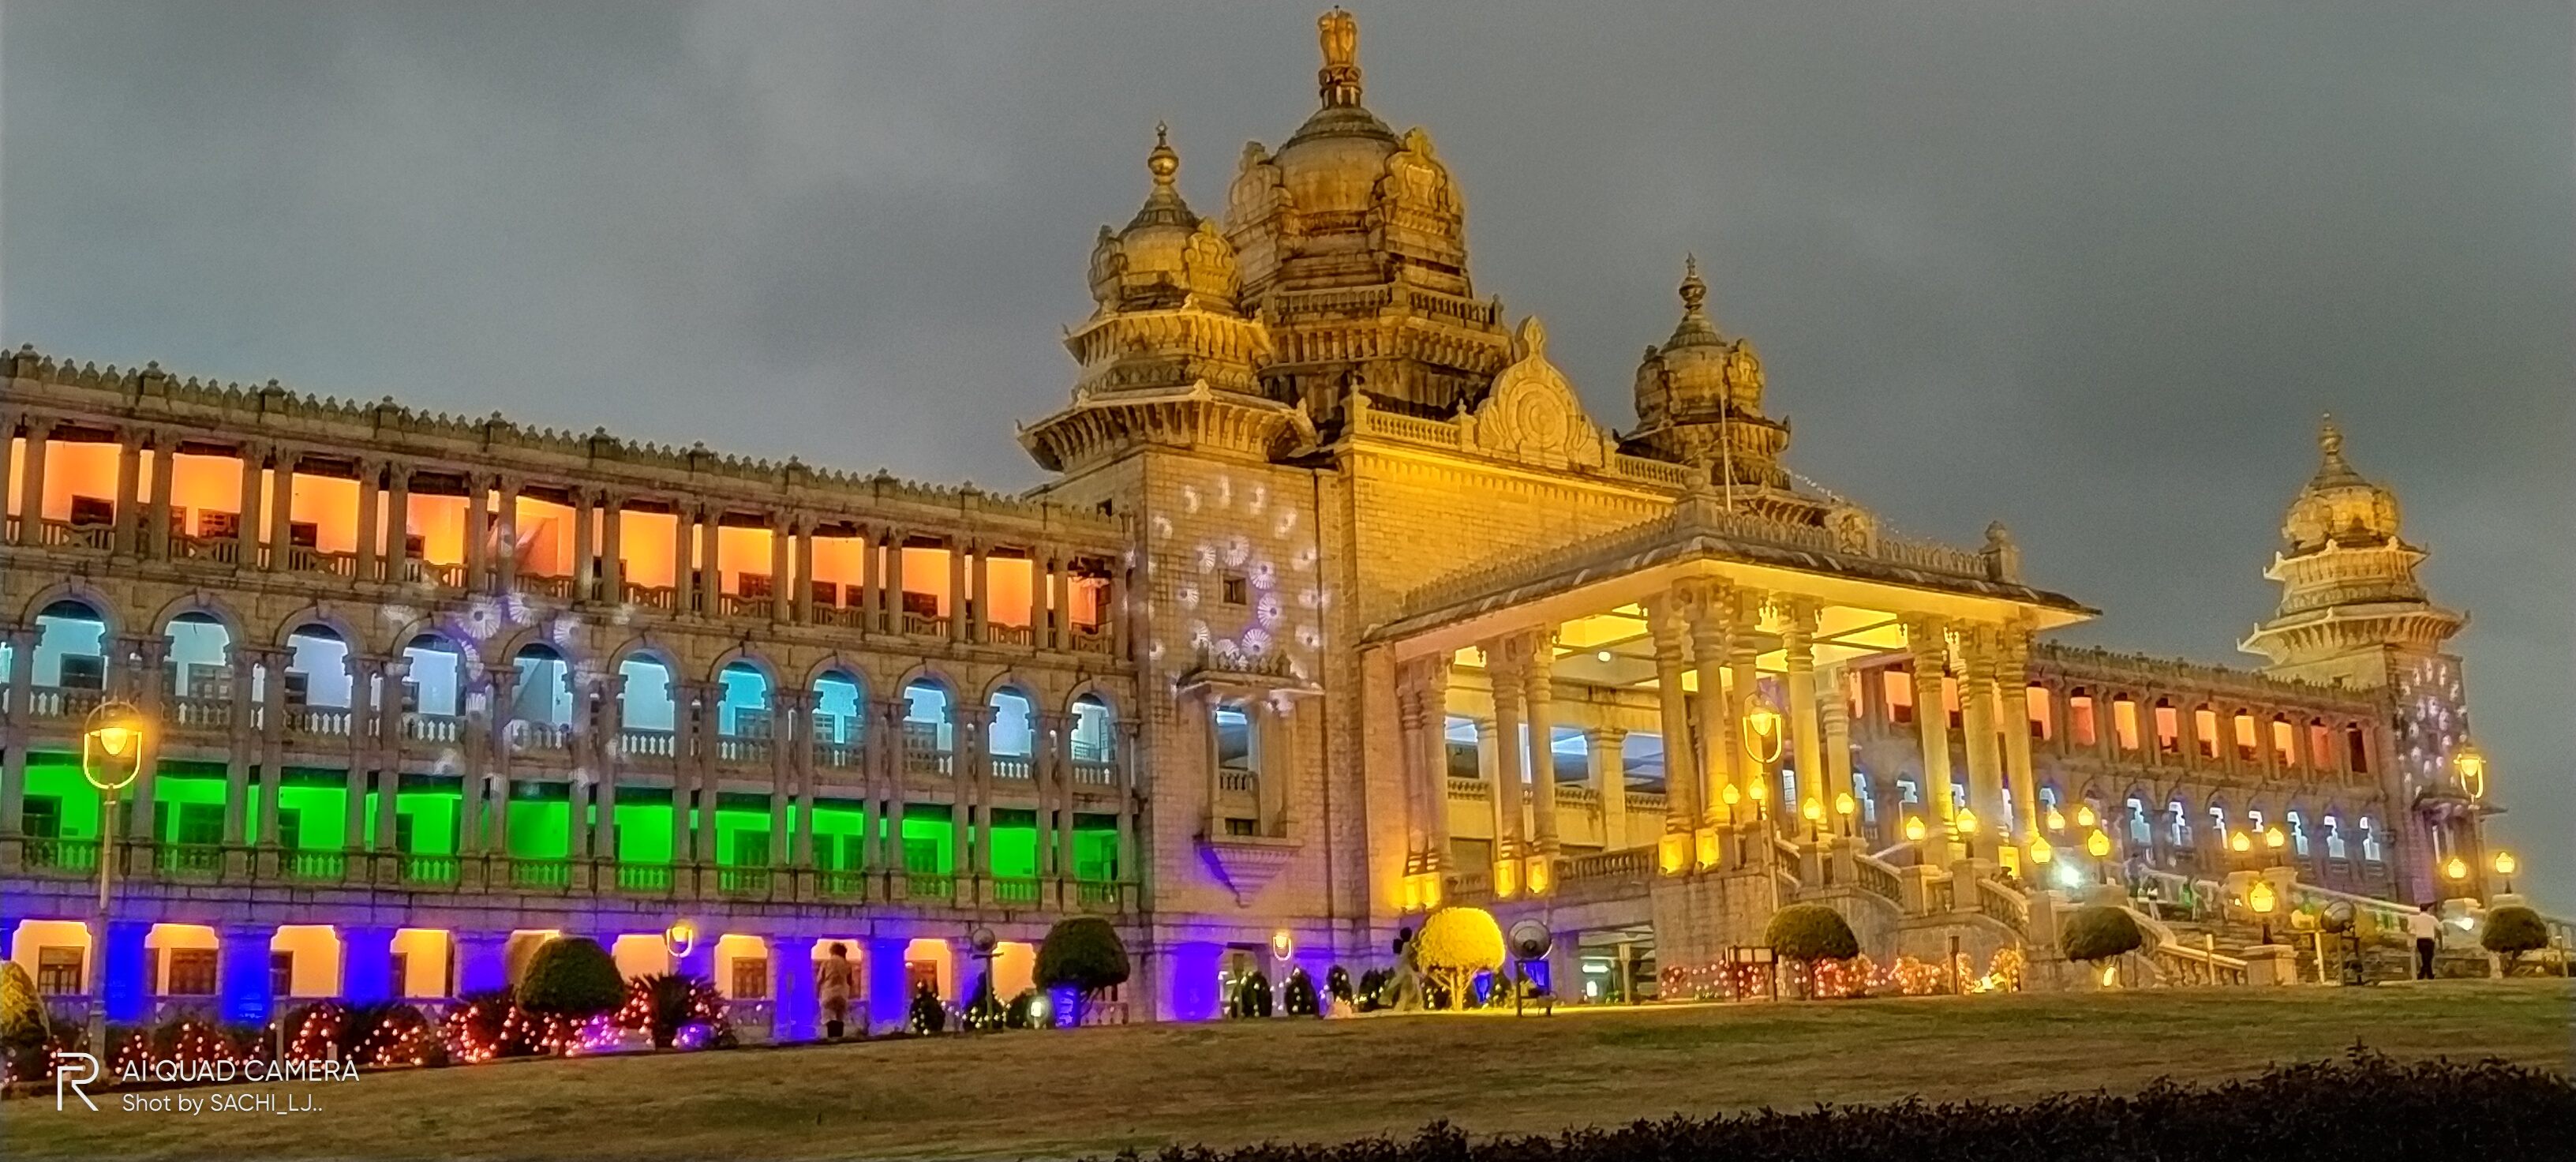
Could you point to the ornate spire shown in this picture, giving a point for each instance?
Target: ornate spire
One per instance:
(1340, 78)
(1163, 204)
(2331, 468)
(1695, 326)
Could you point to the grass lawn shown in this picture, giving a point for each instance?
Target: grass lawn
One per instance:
(1096, 1090)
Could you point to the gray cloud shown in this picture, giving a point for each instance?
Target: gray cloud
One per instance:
(2090, 270)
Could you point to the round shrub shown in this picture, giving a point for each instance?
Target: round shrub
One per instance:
(2513, 930)
(1807, 933)
(928, 1014)
(1337, 983)
(1024, 1010)
(1301, 1000)
(1085, 954)
(2099, 932)
(1457, 943)
(572, 977)
(22, 1015)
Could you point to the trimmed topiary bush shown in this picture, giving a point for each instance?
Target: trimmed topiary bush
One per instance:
(1301, 1000)
(1023, 1013)
(1455, 944)
(1252, 997)
(574, 978)
(928, 1014)
(2099, 932)
(1337, 983)
(1085, 954)
(985, 1013)
(22, 1013)
(665, 1003)
(2513, 930)
(1807, 933)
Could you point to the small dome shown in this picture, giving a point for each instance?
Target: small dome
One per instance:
(2338, 505)
(1333, 162)
(1167, 255)
(1698, 370)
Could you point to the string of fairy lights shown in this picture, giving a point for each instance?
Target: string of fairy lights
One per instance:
(1858, 976)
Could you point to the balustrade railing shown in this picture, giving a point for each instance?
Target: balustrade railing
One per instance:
(846, 616)
(644, 877)
(326, 721)
(645, 742)
(840, 883)
(736, 749)
(306, 559)
(544, 585)
(742, 881)
(1095, 774)
(429, 869)
(218, 550)
(539, 737)
(1094, 894)
(925, 625)
(441, 575)
(1022, 893)
(839, 756)
(314, 865)
(200, 713)
(433, 727)
(61, 701)
(1234, 780)
(1090, 640)
(737, 605)
(190, 859)
(2003, 905)
(59, 534)
(929, 886)
(1631, 863)
(1469, 790)
(541, 873)
(1012, 766)
(1876, 877)
(661, 597)
(1006, 635)
(79, 855)
(1584, 797)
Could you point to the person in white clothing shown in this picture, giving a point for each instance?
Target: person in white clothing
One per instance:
(2427, 931)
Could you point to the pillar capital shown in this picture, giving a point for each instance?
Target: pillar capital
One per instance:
(1606, 735)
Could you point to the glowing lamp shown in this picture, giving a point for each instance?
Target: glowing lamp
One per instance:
(2041, 852)
(1813, 810)
(2240, 842)
(2056, 820)
(2084, 816)
(2472, 765)
(1914, 830)
(1965, 822)
(2098, 844)
(112, 746)
(2504, 864)
(1761, 790)
(1761, 730)
(1843, 804)
(1603, 656)
(1730, 795)
(1281, 944)
(681, 938)
(2457, 869)
(2272, 838)
(2261, 899)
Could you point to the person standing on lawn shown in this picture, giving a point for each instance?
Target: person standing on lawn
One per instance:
(2427, 931)
(832, 983)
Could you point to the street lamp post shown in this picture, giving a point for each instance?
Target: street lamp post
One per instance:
(2261, 898)
(1965, 824)
(1815, 814)
(111, 757)
(2098, 846)
(2504, 869)
(1843, 807)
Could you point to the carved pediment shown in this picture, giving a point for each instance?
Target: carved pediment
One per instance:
(1247, 863)
(1532, 415)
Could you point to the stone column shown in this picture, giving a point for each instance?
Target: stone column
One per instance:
(805, 569)
(971, 761)
(31, 486)
(1928, 639)
(13, 763)
(366, 964)
(1833, 719)
(363, 670)
(1041, 586)
(1605, 748)
(129, 486)
(610, 759)
(370, 497)
(981, 610)
(788, 806)
(478, 532)
(612, 549)
(1506, 669)
(387, 749)
(247, 522)
(783, 531)
(711, 564)
(503, 681)
(889, 611)
(150, 690)
(123, 969)
(957, 550)
(272, 737)
(8, 466)
(1664, 620)
(1434, 695)
(1977, 718)
(585, 553)
(398, 521)
(482, 961)
(888, 1001)
(156, 526)
(690, 738)
(1744, 617)
(1415, 764)
(793, 1013)
(1712, 628)
(684, 587)
(281, 511)
(2012, 674)
(241, 971)
(1806, 727)
(506, 553)
(1540, 684)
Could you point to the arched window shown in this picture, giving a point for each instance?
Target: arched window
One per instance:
(2357, 748)
(2168, 728)
(2204, 729)
(2285, 743)
(2298, 834)
(2141, 833)
(927, 725)
(838, 698)
(745, 712)
(1092, 728)
(2042, 722)
(1896, 688)
(2180, 822)
(2248, 747)
(1233, 723)
(2369, 841)
(2334, 838)
(2079, 717)
(2124, 722)
(1013, 732)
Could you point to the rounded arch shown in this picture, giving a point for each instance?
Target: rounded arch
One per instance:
(1013, 727)
(742, 654)
(76, 591)
(1092, 689)
(852, 669)
(312, 615)
(644, 647)
(198, 604)
(927, 672)
(507, 649)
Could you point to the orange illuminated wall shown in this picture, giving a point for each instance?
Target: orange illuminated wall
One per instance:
(926, 571)
(648, 544)
(2036, 699)
(2124, 723)
(2204, 726)
(331, 507)
(1090, 599)
(740, 551)
(2246, 745)
(1897, 687)
(545, 538)
(2168, 727)
(1006, 584)
(439, 522)
(204, 484)
(2079, 718)
(2285, 743)
(842, 561)
(77, 469)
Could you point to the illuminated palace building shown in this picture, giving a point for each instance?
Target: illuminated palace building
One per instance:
(1336, 606)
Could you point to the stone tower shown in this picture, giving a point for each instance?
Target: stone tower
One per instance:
(2353, 614)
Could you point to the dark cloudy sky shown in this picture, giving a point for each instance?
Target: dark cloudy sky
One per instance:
(2089, 269)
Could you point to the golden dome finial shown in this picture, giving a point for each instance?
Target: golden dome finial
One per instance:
(1694, 290)
(1163, 162)
(1339, 33)
(2330, 438)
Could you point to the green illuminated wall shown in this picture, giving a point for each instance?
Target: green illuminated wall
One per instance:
(541, 820)
(925, 828)
(58, 777)
(1015, 843)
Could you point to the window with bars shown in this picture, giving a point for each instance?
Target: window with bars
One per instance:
(191, 973)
